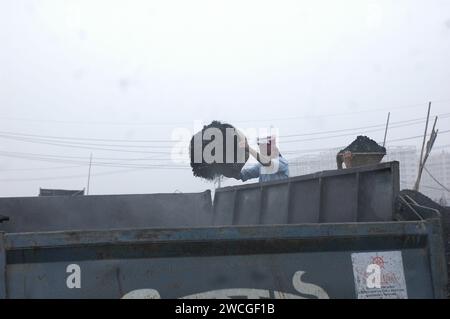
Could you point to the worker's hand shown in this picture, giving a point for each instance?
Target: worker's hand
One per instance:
(347, 155)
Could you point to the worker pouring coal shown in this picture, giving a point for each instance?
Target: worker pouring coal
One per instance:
(270, 166)
(220, 149)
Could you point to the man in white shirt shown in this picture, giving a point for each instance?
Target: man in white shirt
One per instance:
(271, 165)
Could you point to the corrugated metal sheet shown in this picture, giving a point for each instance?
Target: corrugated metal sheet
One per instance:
(316, 260)
(34, 214)
(360, 194)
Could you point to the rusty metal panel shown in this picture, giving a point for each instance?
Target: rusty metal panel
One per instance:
(53, 213)
(358, 194)
(289, 261)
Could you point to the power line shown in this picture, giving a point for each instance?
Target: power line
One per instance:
(396, 124)
(93, 122)
(134, 168)
(414, 137)
(70, 176)
(382, 128)
(72, 159)
(106, 164)
(75, 140)
(81, 157)
(76, 159)
(343, 135)
(80, 143)
(340, 147)
(431, 187)
(38, 168)
(83, 162)
(34, 141)
(85, 138)
(90, 147)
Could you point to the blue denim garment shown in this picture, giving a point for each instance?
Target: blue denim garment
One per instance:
(257, 170)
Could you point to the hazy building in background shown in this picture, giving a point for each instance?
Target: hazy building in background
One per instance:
(438, 165)
(310, 163)
(409, 163)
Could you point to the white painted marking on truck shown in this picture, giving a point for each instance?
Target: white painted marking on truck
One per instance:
(302, 287)
(74, 278)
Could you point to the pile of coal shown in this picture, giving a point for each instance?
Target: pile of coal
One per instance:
(423, 200)
(230, 166)
(363, 144)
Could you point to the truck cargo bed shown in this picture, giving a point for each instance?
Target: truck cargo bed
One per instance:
(287, 261)
(333, 234)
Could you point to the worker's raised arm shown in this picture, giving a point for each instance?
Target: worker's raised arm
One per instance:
(250, 172)
(261, 158)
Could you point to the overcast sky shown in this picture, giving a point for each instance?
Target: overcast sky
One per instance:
(101, 76)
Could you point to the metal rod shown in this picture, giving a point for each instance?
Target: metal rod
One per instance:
(430, 144)
(89, 175)
(385, 131)
(416, 186)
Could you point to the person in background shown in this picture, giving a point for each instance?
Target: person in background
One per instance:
(271, 166)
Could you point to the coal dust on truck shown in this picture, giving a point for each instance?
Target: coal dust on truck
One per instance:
(346, 233)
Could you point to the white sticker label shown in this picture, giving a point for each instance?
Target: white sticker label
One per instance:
(379, 275)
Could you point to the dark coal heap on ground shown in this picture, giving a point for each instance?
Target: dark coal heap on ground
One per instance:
(423, 200)
(210, 171)
(363, 144)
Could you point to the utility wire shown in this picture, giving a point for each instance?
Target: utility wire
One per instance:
(434, 179)
(75, 140)
(159, 123)
(81, 160)
(340, 147)
(85, 138)
(38, 168)
(70, 176)
(343, 135)
(154, 157)
(34, 141)
(106, 164)
(417, 105)
(414, 137)
(431, 187)
(76, 143)
(88, 146)
(418, 120)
